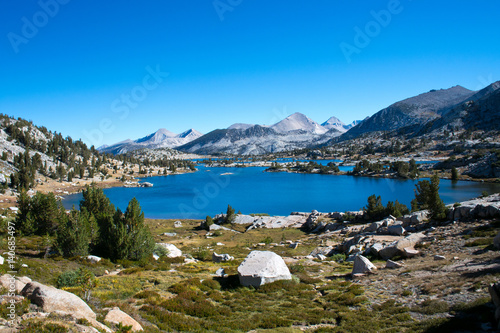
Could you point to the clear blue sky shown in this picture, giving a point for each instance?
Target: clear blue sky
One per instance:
(263, 61)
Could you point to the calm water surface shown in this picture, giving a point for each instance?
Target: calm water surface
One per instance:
(250, 190)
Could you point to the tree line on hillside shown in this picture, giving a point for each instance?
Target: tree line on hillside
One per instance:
(71, 158)
(97, 228)
(402, 169)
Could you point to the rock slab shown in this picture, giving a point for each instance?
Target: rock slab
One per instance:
(261, 267)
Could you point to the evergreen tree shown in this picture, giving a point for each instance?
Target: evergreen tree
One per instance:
(427, 197)
(45, 208)
(73, 235)
(375, 210)
(140, 242)
(230, 215)
(24, 219)
(454, 174)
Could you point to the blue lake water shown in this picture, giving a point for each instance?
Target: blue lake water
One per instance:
(250, 190)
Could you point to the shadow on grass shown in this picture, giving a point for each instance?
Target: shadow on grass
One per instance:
(469, 317)
(493, 268)
(230, 282)
(342, 277)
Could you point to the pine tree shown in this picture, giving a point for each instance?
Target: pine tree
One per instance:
(375, 210)
(24, 219)
(454, 174)
(140, 243)
(230, 215)
(73, 235)
(45, 208)
(427, 197)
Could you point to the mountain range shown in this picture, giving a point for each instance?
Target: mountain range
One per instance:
(295, 131)
(427, 113)
(159, 139)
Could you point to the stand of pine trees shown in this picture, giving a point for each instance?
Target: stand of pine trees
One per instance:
(98, 227)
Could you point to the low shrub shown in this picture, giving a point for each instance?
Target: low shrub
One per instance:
(43, 327)
(432, 306)
(480, 242)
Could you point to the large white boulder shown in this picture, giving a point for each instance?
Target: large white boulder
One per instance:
(51, 299)
(117, 316)
(261, 267)
(173, 251)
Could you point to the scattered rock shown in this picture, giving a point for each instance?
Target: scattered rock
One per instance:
(170, 234)
(362, 266)
(438, 257)
(177, 224)
(117, 316)
(220, 272)
(398, 247)
(375, 248)
(261, 267)
(221, 257)
(294, 245)
(320, 257)
(393, 264)
(93, 259)
(323, 250)
(396, 230)
(411, 252)
(2, 260)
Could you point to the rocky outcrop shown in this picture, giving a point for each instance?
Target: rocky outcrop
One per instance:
(173, 251)
(51, 299)
(484, 208)
(398, 247)
(362, 266)
(117, 316)
(261, 267)
(487, 167)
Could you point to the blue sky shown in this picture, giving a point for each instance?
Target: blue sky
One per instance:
(84, 68)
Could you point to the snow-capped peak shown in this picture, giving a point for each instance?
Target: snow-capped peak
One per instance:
(298, 121)
(157, 137)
